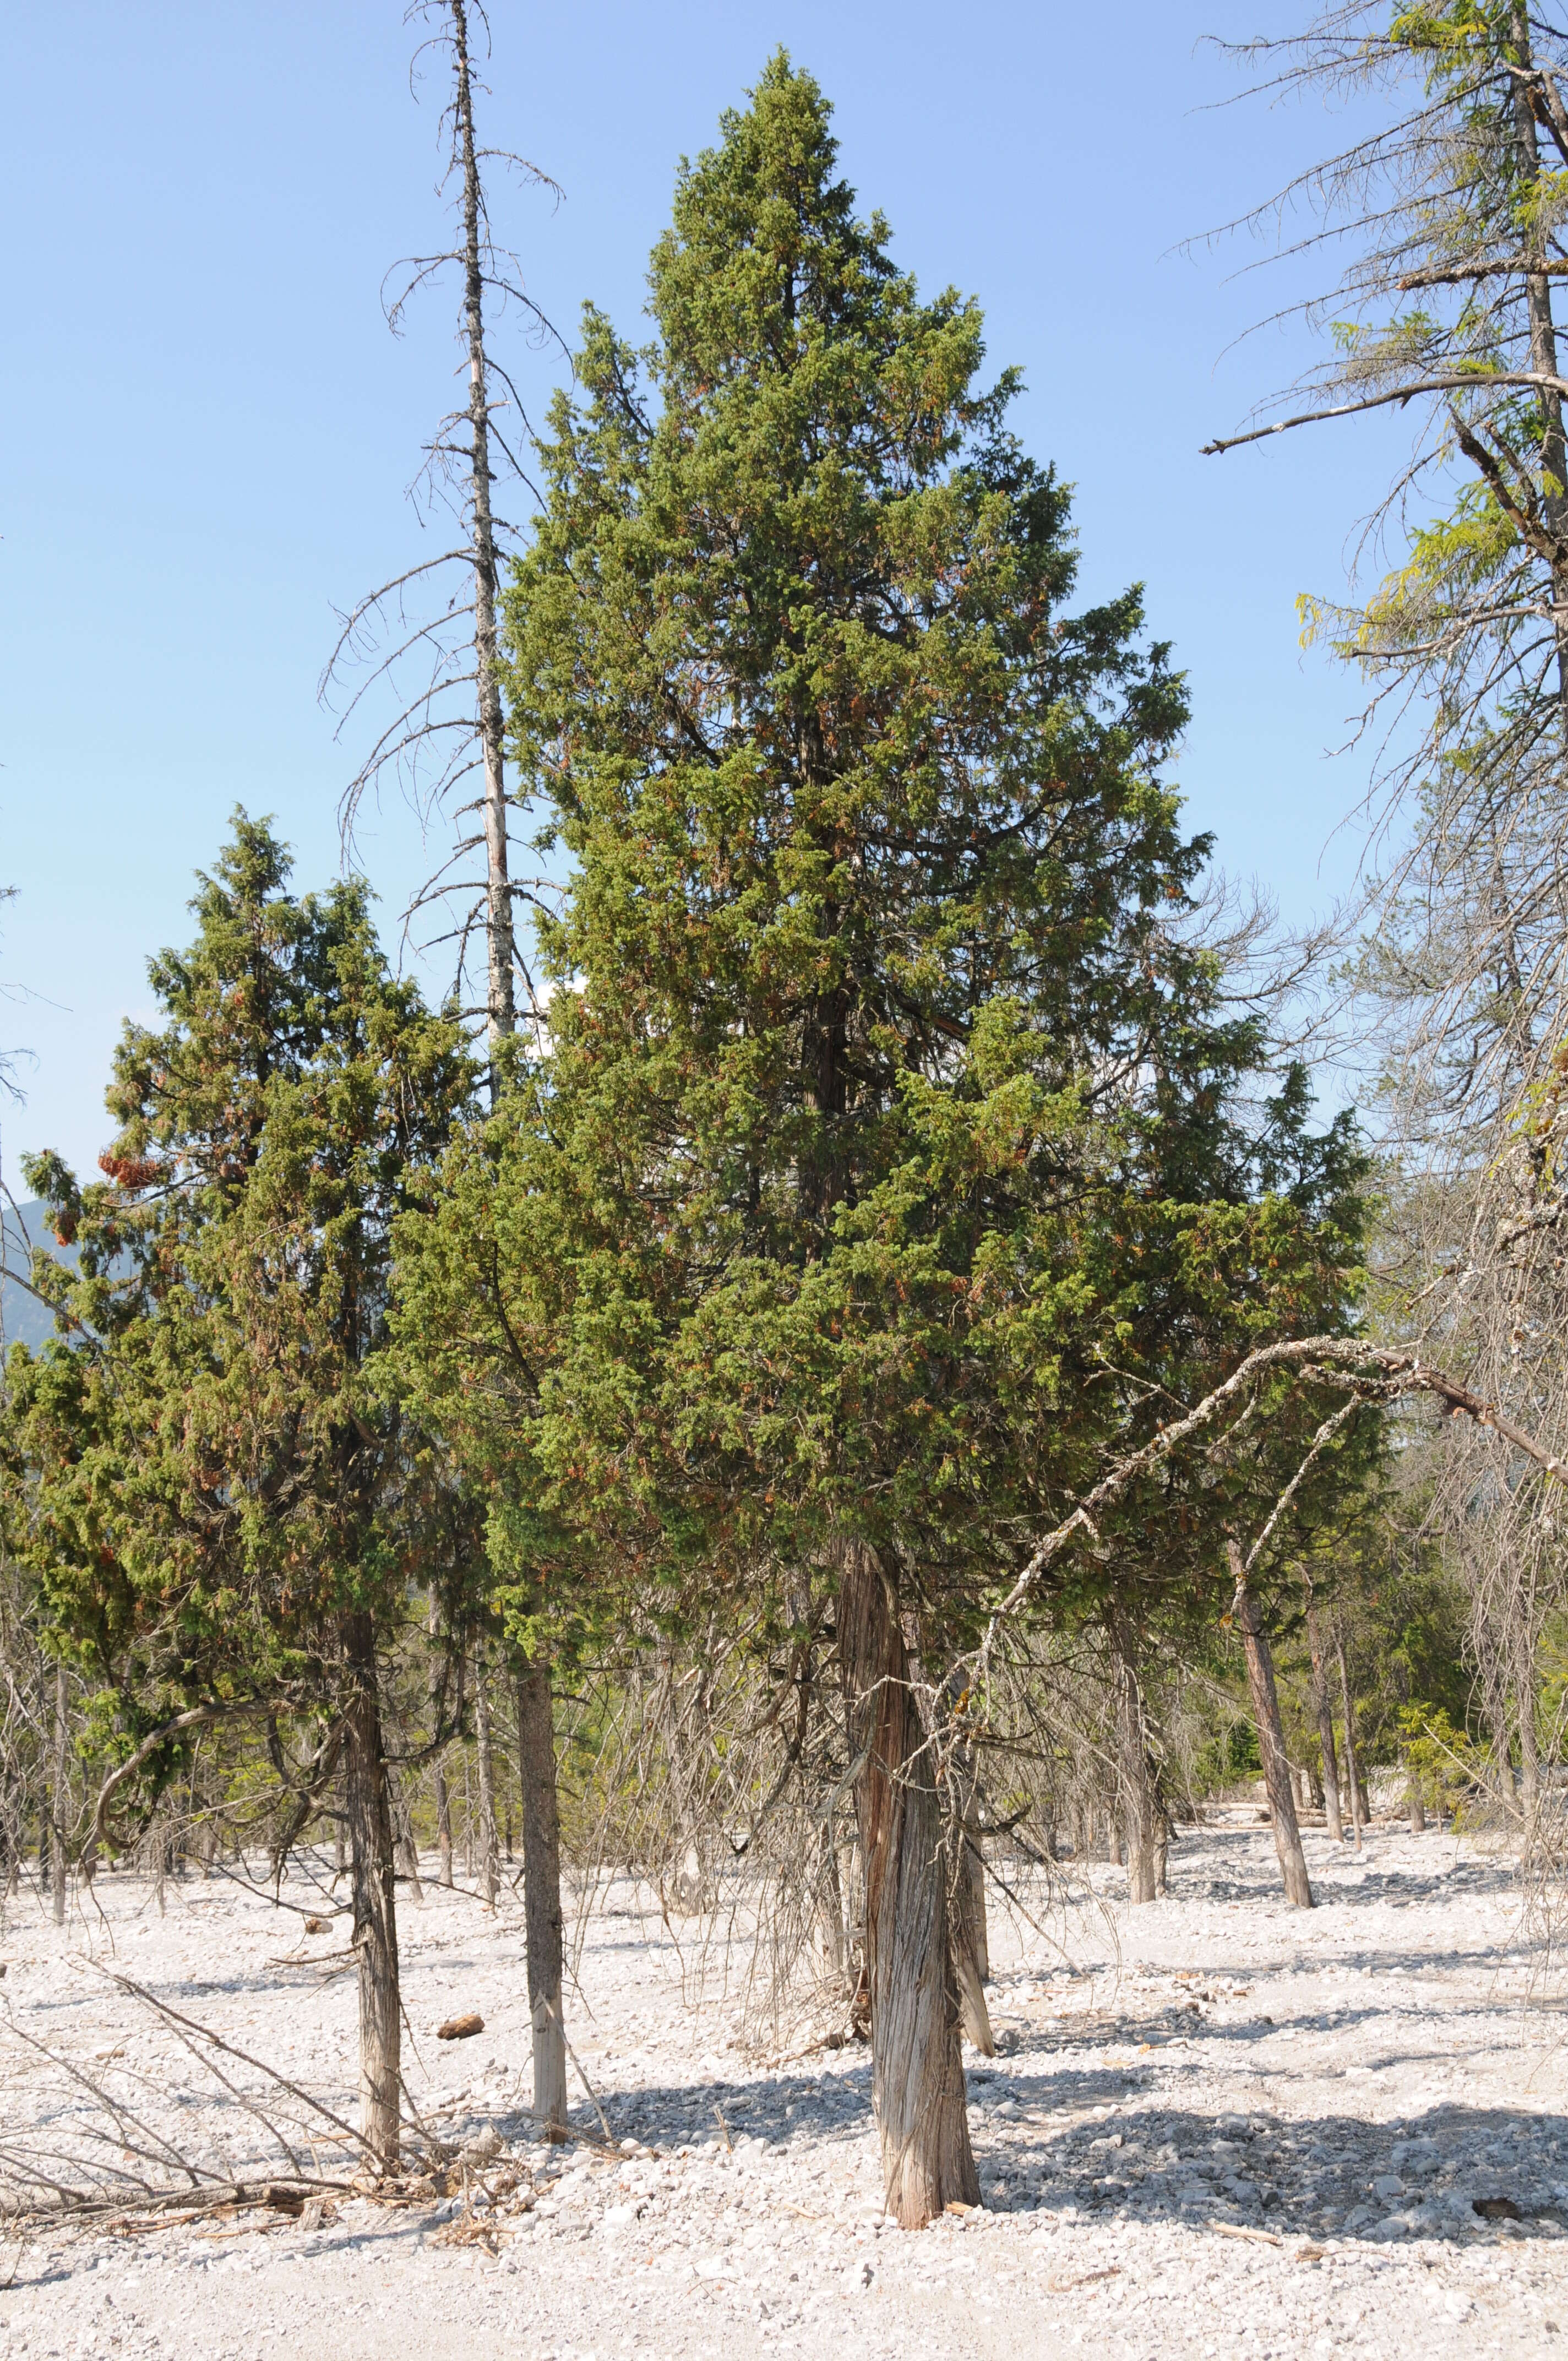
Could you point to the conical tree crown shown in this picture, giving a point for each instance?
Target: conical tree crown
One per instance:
(789, 660)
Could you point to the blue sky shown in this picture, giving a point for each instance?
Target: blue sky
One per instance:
(208, 430)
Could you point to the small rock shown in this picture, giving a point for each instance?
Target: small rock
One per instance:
(1418, 2157)
(1388, 2186)
(484, 2144)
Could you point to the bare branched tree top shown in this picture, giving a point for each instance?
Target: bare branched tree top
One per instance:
(427, 637)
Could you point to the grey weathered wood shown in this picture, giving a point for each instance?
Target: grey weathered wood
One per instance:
(918, 2079)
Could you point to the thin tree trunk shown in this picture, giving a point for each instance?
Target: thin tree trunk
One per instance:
(1417, 1802)
(407, 1850)
(918, 2079)
(1325, 1721)
(1502, 1729)
(1530, 1748)
(437, 1692)
(541, 1806)
(541, 1892)
(489, 1846)
(831, 1904)
(375, 1935)
(60, 1797)
(498, 933)
(443, 1823)
(1139, 1808)
(1270, 1737)
(1352, 1778)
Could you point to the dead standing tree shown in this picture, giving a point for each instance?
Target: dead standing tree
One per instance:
(430, 636)
(1448, 213)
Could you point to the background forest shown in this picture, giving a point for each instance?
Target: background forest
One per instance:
(860, 1351)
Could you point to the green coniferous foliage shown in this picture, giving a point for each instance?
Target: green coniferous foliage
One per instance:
(798, 1257)
(226, 1509)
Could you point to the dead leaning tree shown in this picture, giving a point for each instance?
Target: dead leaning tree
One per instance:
(447, 734)
(1370, 1376)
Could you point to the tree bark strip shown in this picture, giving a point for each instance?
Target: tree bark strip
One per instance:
(918, 2079)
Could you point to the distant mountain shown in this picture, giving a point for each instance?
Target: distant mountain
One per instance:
(24, 1319)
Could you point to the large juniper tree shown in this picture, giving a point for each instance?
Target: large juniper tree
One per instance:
(787, 1267)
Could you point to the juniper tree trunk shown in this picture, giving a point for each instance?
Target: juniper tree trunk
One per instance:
(368, 1800)
(1270, 1738)
(490, 1847)
(60, 1814)
(541, 1892)
(1139, 1806)
(918, 2079)
(1323, 1716)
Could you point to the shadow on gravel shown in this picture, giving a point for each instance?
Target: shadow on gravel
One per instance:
(1453, 2172)
(1070, 2144)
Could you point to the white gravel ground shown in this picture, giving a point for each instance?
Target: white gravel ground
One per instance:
(1344, 2085)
